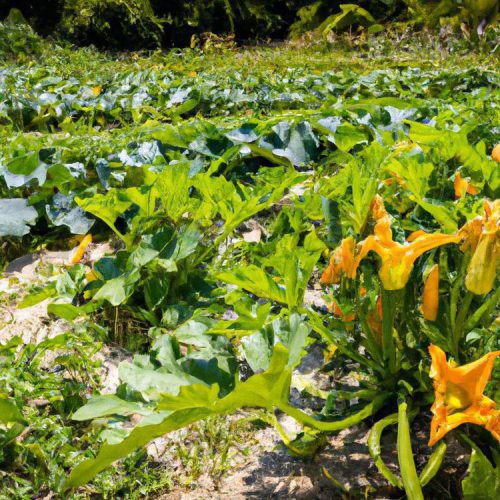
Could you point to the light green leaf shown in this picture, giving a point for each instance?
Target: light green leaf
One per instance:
(347, 136)
(24, 164)
(150, 382)
(350, 14)
(16, 216)
(255, 280)
(117, 290)
(69, 312)
(193, 403)
(107, 207)
(173, 185)
(9, 412)
(103, 406)
(483, 479)
(416, 176)
(268, 390)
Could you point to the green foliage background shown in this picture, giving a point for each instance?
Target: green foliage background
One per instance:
(134, 24)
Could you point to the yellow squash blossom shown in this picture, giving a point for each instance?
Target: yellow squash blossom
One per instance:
(80, 250)
(340, 264)
(430, 298)
(463, 186)
(397, 258)
(482, 237)
(459, 397)
(413, 236)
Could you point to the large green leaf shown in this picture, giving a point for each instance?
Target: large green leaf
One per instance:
(24, 164)
(107, 207)
(346, 137)
(350, 14)
(450, 144)
(173, 185)
(255, 280)
(483, 479)
(295, 142)
(269, 389)
(61, 212)
(103, 406)
(117, 290)
(9, 412)
(150, 382)
(16, 216)
(192, 403)
(416, 175)
(291, 331)
(301, 147)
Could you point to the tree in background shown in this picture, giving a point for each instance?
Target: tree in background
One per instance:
(133, 24)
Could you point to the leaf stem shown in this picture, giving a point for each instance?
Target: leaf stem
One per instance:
(459, 323)
(480, 311)
(455, 291)
(337, 425)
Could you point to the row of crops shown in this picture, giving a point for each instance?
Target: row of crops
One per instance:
(228, 196)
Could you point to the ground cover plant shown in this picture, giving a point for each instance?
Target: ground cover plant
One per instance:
(230, 186)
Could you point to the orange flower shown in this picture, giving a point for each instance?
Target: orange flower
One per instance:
(80, 250)
(482, 237)
(335, 309)
(416, 234)
(395, 178)
(459, 397)
(397, 259)
(430, 298)
(340, 262)
(495, 154)
(463, 186)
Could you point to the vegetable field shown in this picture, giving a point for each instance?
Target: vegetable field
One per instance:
(298, 242)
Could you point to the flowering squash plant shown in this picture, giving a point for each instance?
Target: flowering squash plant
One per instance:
(452, 305)
(412, 269)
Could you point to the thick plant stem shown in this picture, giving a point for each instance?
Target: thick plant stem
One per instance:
(455, 291)
(459, 323)
(487, 305)
(390, 300)
(371, 343)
